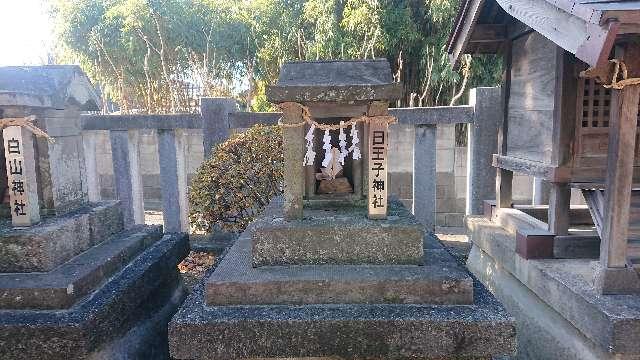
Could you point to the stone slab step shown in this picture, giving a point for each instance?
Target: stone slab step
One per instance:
(57, 239)
(356, 331)
(439, 280)
(138, 292)
(64, 285)
(336, 235)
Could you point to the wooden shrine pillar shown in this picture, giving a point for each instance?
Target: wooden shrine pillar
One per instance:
(615, 276)
(504, 178)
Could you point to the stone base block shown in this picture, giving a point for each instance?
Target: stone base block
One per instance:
(440, 280)
(337, 235)
(610, 324)
(58, 238)
(111, 323)
(62, 286)
(616, 281)
(386, 331)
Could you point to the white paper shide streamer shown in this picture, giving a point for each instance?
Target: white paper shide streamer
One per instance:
(310, 156)
(354, 143)
(343, 144)
(326, 140)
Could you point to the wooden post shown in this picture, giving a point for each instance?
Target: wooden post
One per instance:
(378, 144)
(504, 178)
(559, 203)
(615, 277)
(293, 152)
(378, 184)
(21, 174)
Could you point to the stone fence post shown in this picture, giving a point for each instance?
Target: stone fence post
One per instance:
(215, 121)
(173, 179)
(424, 175)
(482, 144)
(126, 174)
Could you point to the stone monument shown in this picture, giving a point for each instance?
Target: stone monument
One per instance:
(74, 282)
(347, 274)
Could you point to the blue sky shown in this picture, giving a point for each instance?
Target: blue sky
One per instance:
(25, 32)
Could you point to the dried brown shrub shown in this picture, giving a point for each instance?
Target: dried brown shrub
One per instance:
(237, 181)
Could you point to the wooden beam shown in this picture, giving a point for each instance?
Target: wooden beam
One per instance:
(504, 178)
(467, 18)
(564, 108)
(483, 33)
(590, 42)
(619, 182)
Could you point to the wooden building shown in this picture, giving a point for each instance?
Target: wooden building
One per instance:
(564, 123)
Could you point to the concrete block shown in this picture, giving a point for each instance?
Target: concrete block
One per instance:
(445, 160)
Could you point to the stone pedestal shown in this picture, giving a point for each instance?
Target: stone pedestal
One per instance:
(331, 304)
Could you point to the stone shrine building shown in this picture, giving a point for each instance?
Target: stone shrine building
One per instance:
(74, 282)
(333, 268)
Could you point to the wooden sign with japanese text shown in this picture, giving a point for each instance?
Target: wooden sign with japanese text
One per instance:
(377, 194)
(21, 176)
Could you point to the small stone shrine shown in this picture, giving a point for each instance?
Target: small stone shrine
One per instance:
(333, 268)
(74, 283)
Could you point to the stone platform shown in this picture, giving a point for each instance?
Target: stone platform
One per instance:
(351, 331)
(336, 235)
(57, 239)
(559, 312)
(123, 318)
(62, 286)
(439, 280)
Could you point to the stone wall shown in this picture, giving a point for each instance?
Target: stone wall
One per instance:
(450, 170)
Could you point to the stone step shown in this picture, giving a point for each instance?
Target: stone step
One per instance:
(57, 239)
(353, 331)
(440, 280)
(130, 308)
(61, 287)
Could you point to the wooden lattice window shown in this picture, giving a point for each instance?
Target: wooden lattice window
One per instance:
(592, 127)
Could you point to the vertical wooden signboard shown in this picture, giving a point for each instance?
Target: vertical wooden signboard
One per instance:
(377, 194)
(21, 176)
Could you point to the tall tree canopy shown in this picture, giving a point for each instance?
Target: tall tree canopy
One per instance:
(147, 55)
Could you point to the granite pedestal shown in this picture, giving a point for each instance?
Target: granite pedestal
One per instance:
(434, 310)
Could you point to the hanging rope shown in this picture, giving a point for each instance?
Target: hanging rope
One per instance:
(615, 84)
(307, 119)
(26, 123)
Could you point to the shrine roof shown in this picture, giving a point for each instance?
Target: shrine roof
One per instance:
(336, 80)
(53, 86)
(585, 28)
